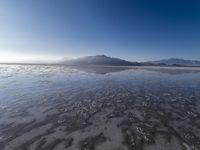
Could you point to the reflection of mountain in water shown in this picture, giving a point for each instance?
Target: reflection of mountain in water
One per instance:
(173, 71)
(100, 69)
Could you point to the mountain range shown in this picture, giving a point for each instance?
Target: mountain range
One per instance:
(100, 60)
(176, 61)
(105, 60)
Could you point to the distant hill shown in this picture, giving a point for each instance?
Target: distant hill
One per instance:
(111, 61)
(177, 62)
(100, 60)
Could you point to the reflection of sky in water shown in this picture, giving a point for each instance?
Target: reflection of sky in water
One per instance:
(30, 82)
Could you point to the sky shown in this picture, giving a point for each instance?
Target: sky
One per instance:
(136, 30)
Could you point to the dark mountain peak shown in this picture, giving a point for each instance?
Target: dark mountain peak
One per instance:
(95, 57)
(100, 60)
(172, 58)
(101, 56)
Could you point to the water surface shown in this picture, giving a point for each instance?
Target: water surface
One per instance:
(51, 107)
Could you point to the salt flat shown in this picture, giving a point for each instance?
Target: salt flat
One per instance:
(57, 107)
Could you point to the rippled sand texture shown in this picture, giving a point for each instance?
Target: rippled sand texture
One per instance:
(96, 108)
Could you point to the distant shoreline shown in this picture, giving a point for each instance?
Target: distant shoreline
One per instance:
(114, 66)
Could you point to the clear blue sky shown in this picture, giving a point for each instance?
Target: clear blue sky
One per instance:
(130, 29)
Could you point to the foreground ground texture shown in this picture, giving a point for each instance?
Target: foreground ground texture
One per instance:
(59, 108)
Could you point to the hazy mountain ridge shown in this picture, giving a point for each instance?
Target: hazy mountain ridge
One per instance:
(100, 60)
(177, 61)
(112, 61)
(104, 60)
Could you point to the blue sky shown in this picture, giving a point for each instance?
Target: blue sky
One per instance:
(137, 30)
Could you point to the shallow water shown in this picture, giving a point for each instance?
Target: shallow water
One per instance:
(57, 107)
